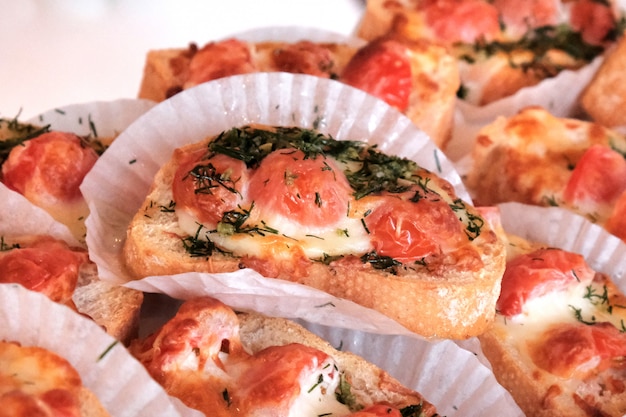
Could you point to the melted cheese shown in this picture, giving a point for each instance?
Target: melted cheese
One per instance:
(35, 381)
(346, 236)
(317, 393)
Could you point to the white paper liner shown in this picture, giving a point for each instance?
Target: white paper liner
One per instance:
(120, 382)
(450, 378)
(559, 95)
(21, 217)
(101, 119)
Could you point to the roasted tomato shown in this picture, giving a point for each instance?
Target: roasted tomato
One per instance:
(382, 69)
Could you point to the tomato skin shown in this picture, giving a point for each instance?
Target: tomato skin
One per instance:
(616, 223)
(594, 19)
(304, 57)
(599, 177)
(564, 350)
(466, 21)
(409, 231)
(221, 190)
(377, 410)
(50, 166)
(220, 59)
(310, 191)
(47, 266)
(382, 68)
(537, 273)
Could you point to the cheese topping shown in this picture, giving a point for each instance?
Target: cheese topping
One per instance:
(305, 195)
(37, 382)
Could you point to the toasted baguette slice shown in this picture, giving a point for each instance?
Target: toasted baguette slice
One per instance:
(605, 94)
(36, 381)
(542, 348)
(434, 77)
(251, 364)
(449, 294)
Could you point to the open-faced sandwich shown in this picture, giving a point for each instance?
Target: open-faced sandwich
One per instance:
(340, 216)
(536, 158)
(558, 341)
(248, 364)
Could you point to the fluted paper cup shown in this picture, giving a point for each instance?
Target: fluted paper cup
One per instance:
(120, 382)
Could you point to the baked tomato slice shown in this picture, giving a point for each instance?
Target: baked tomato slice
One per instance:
(49, 168)
(311, 191)
(220, 59)
(576, 349)
(409, 231)
(537, 273)
(383, 69)
(466, 21)
(208, 187)
(593, 19)
(598, 178)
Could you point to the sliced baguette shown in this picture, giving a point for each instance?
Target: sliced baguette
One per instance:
(453, 297)
(435, 78)
(369, 384)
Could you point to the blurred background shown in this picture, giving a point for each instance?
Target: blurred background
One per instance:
(59, 52)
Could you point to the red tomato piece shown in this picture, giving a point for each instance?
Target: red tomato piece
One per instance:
(538, 273)
(382, 69)
(594, 19)
(208, 187)
(270, 379)
(520, 16)
(466, 21)
(220, 59)
(50, 166)
(409, 231)
(309, 191)
(378, 410)
(565, 349)
(599, 177)
(50, 267)
(304, 57)
(616, 224)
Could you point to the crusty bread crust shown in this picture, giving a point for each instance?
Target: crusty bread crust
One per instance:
(369, 384)
(454, 299)
(432, 100)
(604, 98)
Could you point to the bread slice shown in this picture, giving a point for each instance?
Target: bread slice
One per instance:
(451, 295)
(434, 75)
(605, 94)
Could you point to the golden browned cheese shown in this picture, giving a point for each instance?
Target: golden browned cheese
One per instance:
(35, 381)
(529, 157)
